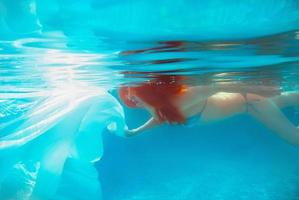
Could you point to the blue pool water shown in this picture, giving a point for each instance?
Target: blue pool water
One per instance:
(62, 124)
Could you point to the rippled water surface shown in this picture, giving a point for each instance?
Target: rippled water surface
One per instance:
(33, 67)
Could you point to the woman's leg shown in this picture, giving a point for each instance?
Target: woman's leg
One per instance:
(268, 112)
(286, 99)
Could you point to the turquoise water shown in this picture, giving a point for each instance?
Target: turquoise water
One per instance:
(62, 61)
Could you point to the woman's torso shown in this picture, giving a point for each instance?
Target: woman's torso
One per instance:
(210, 108)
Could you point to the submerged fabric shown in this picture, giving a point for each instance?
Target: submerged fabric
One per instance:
(60, 155)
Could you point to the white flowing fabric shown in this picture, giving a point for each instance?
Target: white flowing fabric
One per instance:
(53, 152)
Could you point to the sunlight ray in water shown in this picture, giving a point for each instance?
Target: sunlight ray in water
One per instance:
(61, 90)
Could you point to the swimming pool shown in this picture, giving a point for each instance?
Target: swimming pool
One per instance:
(62, 62)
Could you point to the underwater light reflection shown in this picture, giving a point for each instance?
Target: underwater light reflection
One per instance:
(62, 89)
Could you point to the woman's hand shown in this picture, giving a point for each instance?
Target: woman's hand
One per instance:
(130, 132)
(152, 122)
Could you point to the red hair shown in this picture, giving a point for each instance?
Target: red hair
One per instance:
(159, 93)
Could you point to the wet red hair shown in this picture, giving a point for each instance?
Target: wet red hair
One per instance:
(160, 94)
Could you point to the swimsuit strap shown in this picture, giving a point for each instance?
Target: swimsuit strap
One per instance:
(246, 101)
(203, 107)
(195, 118)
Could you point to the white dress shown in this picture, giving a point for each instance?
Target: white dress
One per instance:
(51, 158)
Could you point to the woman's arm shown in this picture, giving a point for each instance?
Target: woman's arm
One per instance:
(152, 122)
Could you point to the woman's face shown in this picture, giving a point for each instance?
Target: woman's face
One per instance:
(138, 103)
(129, 98)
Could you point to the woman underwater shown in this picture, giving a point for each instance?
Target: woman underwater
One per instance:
(170, 100)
